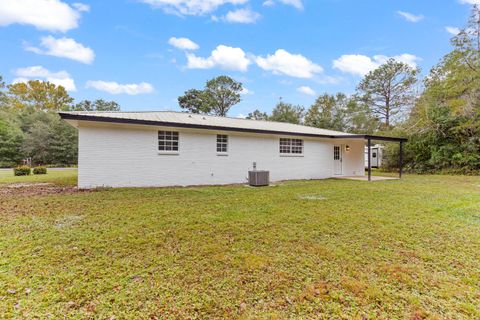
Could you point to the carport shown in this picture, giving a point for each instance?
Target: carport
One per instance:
(370, 138)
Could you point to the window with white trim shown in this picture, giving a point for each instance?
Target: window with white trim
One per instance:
(222, 143)
(291, 146)
(167, 141)
(336, 152)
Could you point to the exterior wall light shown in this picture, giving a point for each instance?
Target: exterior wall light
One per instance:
(347, 148)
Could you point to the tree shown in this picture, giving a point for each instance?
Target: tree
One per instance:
(39, 95)
(31, 127)
(37, 143)
(287, 112)
(389, 90)
(49, 139)
(64, 143)
(328, 112)
(467, 41)
(3, 96)
(341, 113)
(223, 93)
(464, 60)
(444, 125)
(11, 138)
(359, 119)
(195, 101)
(97, 105)
(218, 96)
(257, 115)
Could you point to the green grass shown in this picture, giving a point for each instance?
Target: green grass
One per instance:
(62, 178)
(327, 249)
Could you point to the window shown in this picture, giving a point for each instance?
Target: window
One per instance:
(167, 141)
(336, 153)
(291, 146)
(222, 143)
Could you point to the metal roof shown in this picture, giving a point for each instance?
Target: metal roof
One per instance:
(189, 120)
(205, 120)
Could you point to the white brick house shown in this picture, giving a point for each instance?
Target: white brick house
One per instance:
(148, 149)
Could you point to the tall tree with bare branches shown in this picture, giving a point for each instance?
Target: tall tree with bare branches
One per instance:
(389, 90)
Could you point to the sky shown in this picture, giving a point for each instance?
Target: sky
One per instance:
(145, 53)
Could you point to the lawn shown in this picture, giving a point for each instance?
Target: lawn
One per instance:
(66, 177)
(406, 249)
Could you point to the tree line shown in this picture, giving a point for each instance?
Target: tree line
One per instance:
(30, 127)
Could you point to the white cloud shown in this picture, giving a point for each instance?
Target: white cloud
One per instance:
(60, 78)
(82, 7)
(52, 15)
(64, 48)
(358, 64)
(224, 57)
(406, 58)
(472, 2)
(245, 91)
(295, 3)
(191, 7)
(113, 87)
(355, 64)
(183, 43)
(306, 90)
(452, 30)
(242, 16)
(294, 65)
(410, 17)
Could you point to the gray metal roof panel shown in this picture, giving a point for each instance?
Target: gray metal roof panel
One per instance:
(206, 120)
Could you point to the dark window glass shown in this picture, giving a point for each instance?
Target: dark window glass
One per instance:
(167, 141)
(336, 153)
(293, 146)
(222, 143)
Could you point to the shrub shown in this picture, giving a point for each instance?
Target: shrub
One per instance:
(40, 170)
(21, 171)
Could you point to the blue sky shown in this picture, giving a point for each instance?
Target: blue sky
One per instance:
(145, 53)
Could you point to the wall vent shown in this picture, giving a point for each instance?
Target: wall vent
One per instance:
(258, 178)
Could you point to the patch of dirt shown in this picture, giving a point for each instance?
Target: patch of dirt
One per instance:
(28, 184)
(34, 189)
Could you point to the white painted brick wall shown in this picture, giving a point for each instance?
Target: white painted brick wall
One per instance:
(127, 156)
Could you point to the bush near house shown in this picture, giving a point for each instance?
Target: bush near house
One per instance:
(22, 171)
(40, 170)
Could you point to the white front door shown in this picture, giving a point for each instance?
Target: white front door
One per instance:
(337, 160)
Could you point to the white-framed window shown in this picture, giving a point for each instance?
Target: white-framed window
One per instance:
(291, 146)
(167, 141)
(222, 143)
(336, 153)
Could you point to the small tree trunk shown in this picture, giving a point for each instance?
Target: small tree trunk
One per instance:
(387, 112)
